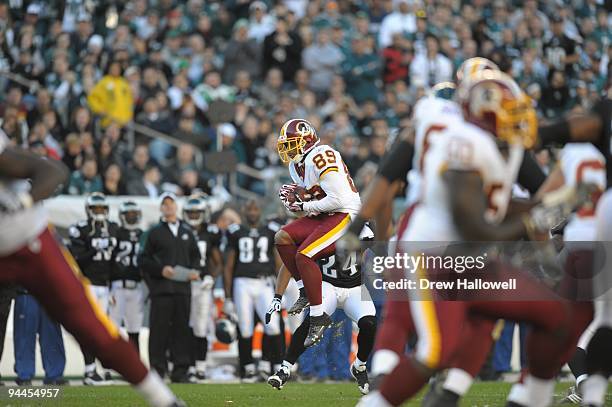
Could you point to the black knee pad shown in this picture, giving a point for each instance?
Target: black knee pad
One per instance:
(367, 323)
(599, 352)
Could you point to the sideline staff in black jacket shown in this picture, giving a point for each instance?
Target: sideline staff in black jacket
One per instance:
(166, 245)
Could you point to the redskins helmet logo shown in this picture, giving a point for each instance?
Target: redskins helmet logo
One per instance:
(304, 129)
(488, 98)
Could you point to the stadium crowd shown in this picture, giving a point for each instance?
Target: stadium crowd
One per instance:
(352, 68)
(81, 73)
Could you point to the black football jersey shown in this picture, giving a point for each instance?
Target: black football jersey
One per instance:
(254, 249)
(348, 276)
(125, 256)
(92, 244)
(208, 238)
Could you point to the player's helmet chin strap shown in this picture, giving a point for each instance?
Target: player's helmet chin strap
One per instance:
(103, 223)
(305, 153)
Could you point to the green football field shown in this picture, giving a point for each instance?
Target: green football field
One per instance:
(294, 394)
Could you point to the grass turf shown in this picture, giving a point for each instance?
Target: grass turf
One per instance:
(483, 394)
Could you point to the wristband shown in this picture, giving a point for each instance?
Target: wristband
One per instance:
(278, 297)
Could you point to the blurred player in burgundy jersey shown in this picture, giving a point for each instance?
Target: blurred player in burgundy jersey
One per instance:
(455, 171)
(31, 256)
(324, 193)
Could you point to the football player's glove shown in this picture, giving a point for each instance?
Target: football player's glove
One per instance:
(289, 198)
(553, 209)
(286, 190)
(275, 306)
(207, 282)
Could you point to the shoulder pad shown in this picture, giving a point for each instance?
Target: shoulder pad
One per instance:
(233, 228)
(274, 226)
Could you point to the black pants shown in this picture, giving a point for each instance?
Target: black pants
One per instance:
(169, 330)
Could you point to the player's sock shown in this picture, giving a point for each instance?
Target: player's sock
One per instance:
(384, 361)
(458, 381)
(518, 394)
(540, 391)
(200, 349)
(359, 364)
(287, 254)
(578, 363)
(316, 310)
(594, 390)
(90, 367)
(245, 350)
(311, 275)
(134, 340)
(404, 381)
(366, 336)
(395, 326)
(296, 347)
(155, 391)
(275, 344)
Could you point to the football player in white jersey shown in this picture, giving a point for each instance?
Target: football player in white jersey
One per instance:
(323, 191)
(342, 289)
(469, 176)
(580, 163)
(595, 127)
(403, 161)
(33, 257)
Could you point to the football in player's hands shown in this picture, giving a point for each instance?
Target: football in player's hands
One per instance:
(313, 194)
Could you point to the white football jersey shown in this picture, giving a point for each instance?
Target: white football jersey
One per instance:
(342, 196)
(461, 146)
(582, 163)
(431, 116)
(21, 227)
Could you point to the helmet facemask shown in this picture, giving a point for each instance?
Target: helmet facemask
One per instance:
(291, 150)
(130, 219)
(194, 217)
(517, 123)
(98, 212)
